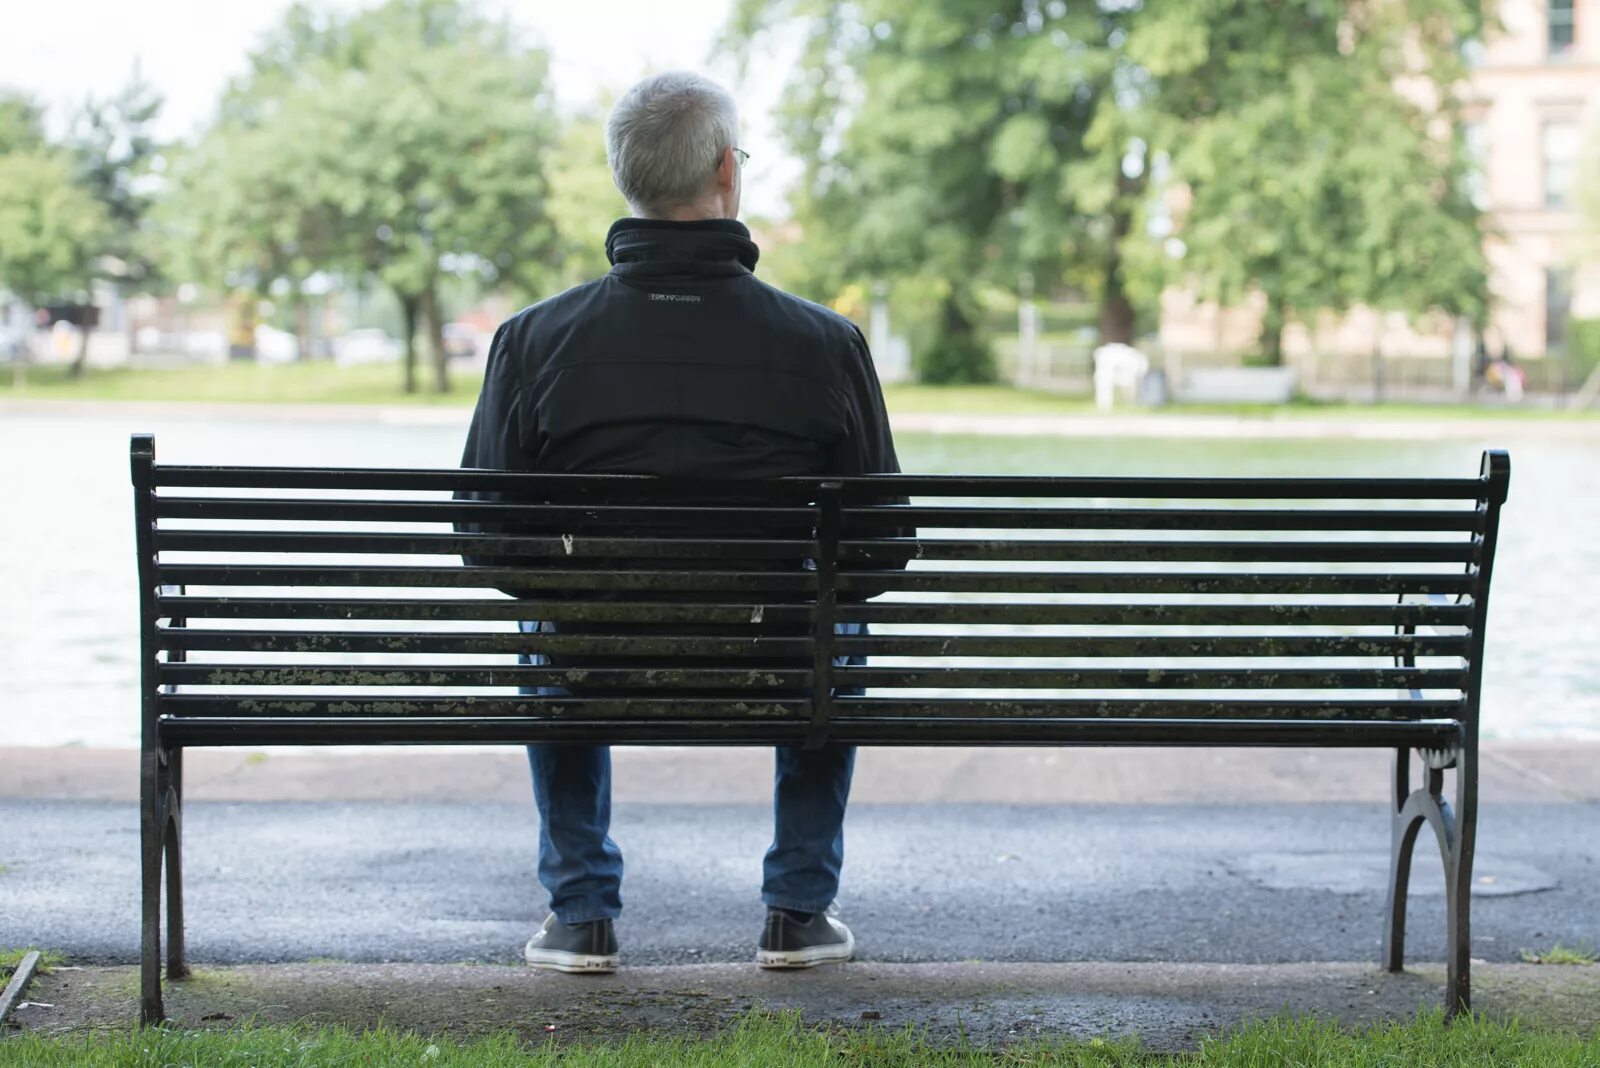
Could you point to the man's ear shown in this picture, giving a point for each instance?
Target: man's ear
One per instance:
(727, 169)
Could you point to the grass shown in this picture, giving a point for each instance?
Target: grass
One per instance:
(762, 1039)
(1561, 954)
(323, 383)
(11, 958)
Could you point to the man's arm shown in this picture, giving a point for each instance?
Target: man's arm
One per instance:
(868, 449)
(499, 438)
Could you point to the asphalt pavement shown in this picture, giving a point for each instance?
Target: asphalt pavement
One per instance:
(1236, 871)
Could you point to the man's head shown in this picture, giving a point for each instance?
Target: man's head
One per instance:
(671, 141)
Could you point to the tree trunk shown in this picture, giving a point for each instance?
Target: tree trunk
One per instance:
(1116, 310)
(433, 323)
(302, 327)
(1273, 322)
(408, 314)
(80, 359)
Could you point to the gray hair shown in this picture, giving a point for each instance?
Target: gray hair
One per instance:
(665, 138)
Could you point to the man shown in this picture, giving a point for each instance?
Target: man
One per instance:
(681, 362)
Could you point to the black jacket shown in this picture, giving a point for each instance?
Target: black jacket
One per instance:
(680, 362)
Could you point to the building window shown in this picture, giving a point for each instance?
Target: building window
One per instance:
(1561, 34)
(1557, 309)
(1560, 164)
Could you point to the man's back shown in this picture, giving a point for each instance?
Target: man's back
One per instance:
(680, 362)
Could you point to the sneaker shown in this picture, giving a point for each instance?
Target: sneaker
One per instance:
(587, 948)
(803, 939)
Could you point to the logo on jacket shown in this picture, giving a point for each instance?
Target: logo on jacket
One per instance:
(677, 298)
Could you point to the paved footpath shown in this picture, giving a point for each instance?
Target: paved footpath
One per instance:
(1148, 861)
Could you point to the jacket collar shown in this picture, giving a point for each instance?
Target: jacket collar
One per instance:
(664, 246)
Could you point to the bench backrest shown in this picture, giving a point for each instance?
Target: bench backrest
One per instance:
(314, 605)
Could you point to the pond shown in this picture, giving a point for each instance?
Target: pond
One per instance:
(68, 627)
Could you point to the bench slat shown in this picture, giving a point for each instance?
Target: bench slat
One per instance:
(844, 730)
(855, 487)
(189, 639)
(1157, 615)
(584, 546)
(474, 609)
(442, 675)
(1155, 678)
(357, 706)
(446, 675)
(1194, 582)
(733, 709)
(547, 547)
(547, 516)
(963, 612)
(1126, 551)
(1263, 519)
(794, 581)
(1255, 645)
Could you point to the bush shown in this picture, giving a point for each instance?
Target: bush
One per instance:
(1583, 347)
(954, 359)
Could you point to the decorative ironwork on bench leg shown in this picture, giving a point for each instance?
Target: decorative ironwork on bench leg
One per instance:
(150, 849)
(1458, 884)
(177, 954)
(1411, 809)
(1402, 838)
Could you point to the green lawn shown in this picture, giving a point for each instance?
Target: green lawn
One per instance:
(323, 383)
(761, 1040)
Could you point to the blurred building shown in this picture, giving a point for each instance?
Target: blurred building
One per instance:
(1532, 112)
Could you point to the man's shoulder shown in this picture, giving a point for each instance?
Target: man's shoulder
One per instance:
(554, 307)
(820, 316)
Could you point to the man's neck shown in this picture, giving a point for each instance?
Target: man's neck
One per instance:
(698, 212)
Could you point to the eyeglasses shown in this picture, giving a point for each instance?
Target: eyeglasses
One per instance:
(742, 156)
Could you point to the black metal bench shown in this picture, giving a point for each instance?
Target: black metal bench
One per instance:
(303, 606)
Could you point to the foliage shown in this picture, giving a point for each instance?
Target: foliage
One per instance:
(583, 200)
(117, 160)
(21, 123)
(1583, 344)
(959, 142)
(11, 960)
(50, 228)
(407, 141)
(1321, 153)
(1312, 148)
(1560, 954)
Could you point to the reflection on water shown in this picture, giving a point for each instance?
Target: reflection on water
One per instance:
(68, 631)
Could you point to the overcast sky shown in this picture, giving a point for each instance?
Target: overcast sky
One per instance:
(64, 50)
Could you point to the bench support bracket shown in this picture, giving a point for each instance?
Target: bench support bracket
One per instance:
(1453, 828)
(161, 846)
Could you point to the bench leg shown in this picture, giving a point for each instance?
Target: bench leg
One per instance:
(1454, 832)
(151, 844)
(1402, 839)
(177, 962)
(1458, 883)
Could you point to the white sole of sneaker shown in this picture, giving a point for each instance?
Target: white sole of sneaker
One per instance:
(571, 963)
(809, 957)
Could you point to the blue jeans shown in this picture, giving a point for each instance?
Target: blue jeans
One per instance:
(581, 867)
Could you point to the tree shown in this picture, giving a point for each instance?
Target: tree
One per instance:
(50, 229)
(1320, 152)
(117, 156)
(1314, 140)
(404, 142)
(21, 123)
(963, 141)
(583, 200)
